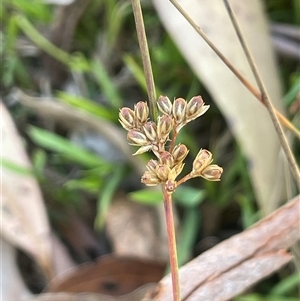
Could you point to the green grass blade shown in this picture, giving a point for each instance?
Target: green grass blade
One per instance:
(64, 147)
(87, 105)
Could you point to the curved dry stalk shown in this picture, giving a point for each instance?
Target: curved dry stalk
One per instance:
(284, 121)
(265, 99)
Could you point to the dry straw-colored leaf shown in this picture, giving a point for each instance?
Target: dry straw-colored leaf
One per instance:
(9, 270)
(247, 118)
(24, 219)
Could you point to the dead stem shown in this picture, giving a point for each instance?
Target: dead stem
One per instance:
(172, 243)
(265, 99)
(244, 81)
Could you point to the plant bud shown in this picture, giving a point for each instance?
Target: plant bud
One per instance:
(137, 138)
(164, 127)
(141, 111)
(167, 159)
(212, 172)
(149, 178)
(127, 118)
(204, 154)
(162, 172)
(164, 105)
(151, 165)
(195, 108)
(150, 129)
(179, 108)
(179, 153)
(202, 160)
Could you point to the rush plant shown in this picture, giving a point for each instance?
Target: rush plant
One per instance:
(159, 136)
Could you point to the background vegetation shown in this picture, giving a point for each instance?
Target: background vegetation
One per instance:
(91, 62)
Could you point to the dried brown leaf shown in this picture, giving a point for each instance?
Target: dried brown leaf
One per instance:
(109, 275)
(137, 295)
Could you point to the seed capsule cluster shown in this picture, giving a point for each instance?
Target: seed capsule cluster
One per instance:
(150, 135)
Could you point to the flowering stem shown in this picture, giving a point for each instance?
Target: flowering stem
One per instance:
(172, 244)
(141, 33)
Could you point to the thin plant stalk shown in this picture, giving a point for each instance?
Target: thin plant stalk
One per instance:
(243, 80)
(140, 28)
(142, 38)
(172, 243)
(264, 96)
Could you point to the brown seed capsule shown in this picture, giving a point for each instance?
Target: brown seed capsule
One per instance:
(212, 172)
(164, 105)
(162, 172)
(202, 160)
(141, 111)
(204, 154)
(137, 138)
(195, 108)
(167, 159)
(179, 108)
(127, 118)
(150, 129)
(151, 165)
(150, 178)
(164, 127)
(179, 153)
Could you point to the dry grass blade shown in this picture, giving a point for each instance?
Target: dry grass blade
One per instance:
(244, 81)
(240, 261)
(265, 99)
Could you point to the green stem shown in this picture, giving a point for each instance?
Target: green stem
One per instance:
(140, 29)
(172, 244)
